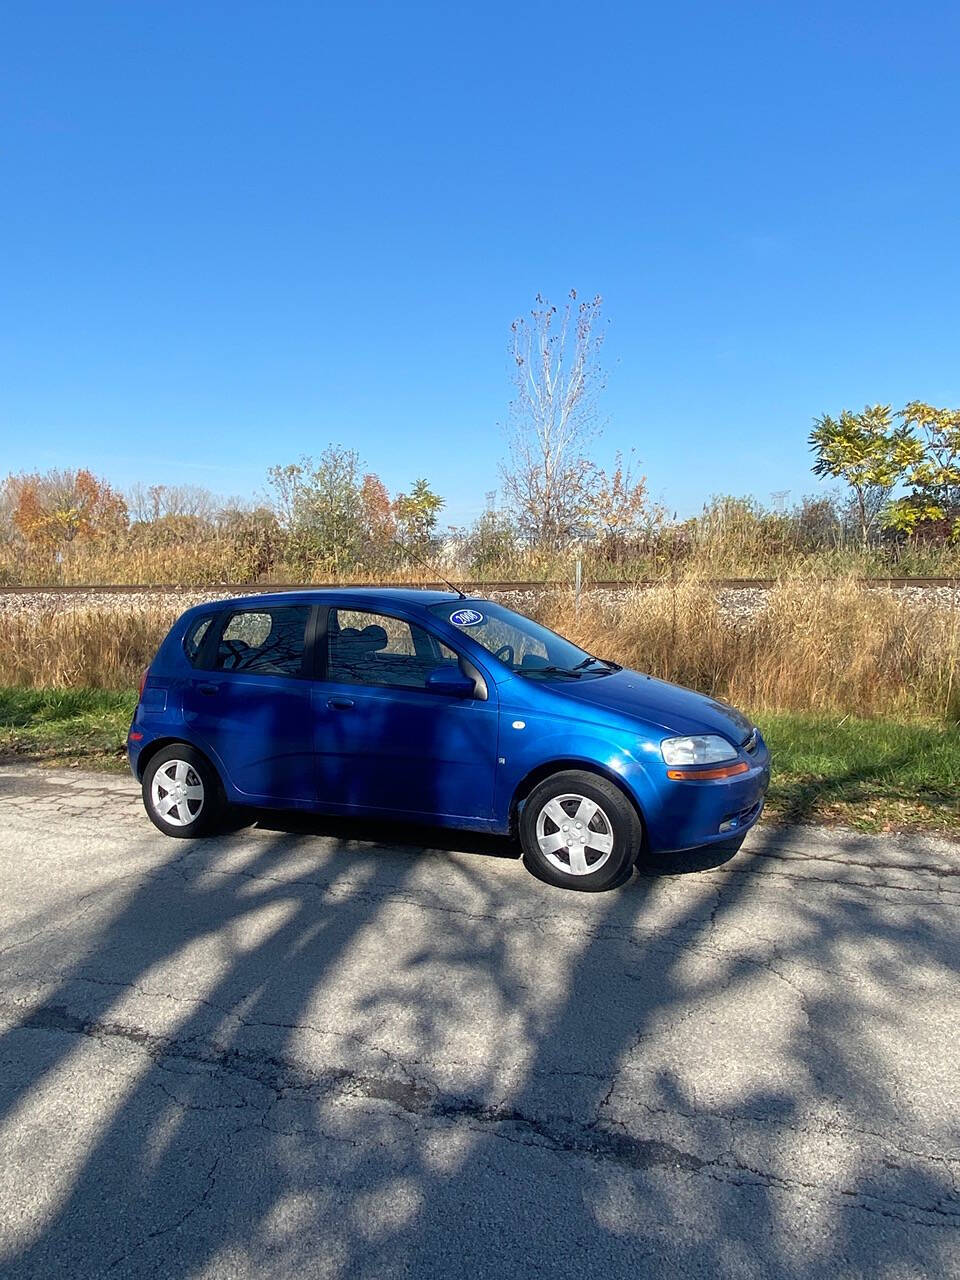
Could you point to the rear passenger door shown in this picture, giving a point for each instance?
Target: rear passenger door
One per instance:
(384, 741)
(251, 707)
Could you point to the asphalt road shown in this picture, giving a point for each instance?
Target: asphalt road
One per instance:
(337, 1051)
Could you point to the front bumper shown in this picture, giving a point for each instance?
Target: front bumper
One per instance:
(687, 815)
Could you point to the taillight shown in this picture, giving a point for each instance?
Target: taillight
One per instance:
(143, 681)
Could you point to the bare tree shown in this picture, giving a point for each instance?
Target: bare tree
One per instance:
(9, 494)
(548, 478)
(153, 502)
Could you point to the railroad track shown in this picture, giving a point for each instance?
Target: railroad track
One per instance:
(246, 588)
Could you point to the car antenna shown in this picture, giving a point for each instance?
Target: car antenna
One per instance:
(429, 567)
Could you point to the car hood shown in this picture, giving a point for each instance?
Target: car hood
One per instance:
(657, 702)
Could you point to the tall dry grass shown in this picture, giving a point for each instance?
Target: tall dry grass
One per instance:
(206, 562)
(80, 648)
(815, 646)
(193, 563)
(215, 558)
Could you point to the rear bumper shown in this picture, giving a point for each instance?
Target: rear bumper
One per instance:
(688, 815)
(133, 754)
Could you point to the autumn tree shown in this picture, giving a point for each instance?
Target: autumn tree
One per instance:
(548, 478)
(867, 451)
(933, 473)
(376, 511)
(619, 505)
(57, 507)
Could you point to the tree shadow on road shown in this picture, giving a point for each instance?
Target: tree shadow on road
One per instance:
(361, 1060)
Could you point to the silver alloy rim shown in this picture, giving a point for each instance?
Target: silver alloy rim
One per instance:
(177, 793)
(574, 834)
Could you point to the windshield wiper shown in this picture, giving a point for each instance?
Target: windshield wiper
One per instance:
(548, 671)
(611, 666)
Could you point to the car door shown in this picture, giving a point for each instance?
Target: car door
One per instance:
(386, 742)
(251, 707)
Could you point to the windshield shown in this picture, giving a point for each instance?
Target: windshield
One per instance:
(520, 643)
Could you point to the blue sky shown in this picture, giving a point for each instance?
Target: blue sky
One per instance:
(230, 234)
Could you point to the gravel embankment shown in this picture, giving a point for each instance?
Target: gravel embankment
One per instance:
(734, 602)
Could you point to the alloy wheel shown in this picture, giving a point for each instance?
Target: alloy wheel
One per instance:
(574, 834)
(176, 793)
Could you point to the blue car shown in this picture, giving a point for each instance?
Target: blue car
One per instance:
(430, 707)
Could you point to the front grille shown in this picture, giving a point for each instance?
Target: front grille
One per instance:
(752, 743)
(735, 821)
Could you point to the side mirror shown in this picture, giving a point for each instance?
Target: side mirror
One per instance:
(451, 681)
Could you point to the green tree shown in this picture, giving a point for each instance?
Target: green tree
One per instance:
(416, 514)
(256, 541)
(868, 452)
(933, 475)
(490, 545)
(319, 505)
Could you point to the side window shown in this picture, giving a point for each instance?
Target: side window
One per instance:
(264, 641)
(193, 640)
(375, 649)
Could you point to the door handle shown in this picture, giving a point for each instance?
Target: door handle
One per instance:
(339, 704)
(208, 689)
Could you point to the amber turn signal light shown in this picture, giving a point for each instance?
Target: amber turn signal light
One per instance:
(708, 775)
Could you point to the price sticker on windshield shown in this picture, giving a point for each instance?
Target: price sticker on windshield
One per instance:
(466, 618)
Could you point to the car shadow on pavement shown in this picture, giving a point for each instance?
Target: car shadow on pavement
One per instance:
(421, 837)
(390, 834)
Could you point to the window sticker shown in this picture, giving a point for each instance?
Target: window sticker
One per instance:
(466, 618)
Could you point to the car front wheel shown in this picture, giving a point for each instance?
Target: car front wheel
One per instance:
(579, 831)
(182, 793)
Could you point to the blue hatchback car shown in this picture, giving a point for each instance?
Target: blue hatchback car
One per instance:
(425, 706)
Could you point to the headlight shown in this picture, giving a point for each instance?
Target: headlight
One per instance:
(706, 748)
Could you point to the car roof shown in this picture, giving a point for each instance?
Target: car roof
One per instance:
(416, 596)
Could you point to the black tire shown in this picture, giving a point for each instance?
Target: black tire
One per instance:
(616, 817)
(192, 815)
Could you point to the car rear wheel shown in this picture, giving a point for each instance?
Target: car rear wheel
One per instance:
(182, 793)
(579, 831)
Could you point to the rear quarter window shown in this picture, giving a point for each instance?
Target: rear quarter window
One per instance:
(193, 640)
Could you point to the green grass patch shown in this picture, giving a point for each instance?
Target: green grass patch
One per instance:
(66, 725)
(874, 775)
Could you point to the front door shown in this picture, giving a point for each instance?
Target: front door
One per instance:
(384, 741)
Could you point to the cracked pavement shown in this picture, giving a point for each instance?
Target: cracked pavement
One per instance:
(315, 1048)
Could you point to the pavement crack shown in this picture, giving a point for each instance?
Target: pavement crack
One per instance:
(921, 868)
(175, 1225)
(610, 1144)
(832, 881)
